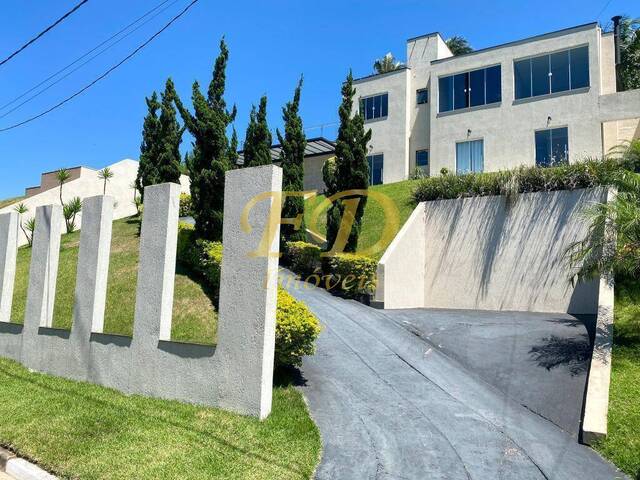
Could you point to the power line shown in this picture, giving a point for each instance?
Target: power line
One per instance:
(61, 19)
(88, 86)
(603, 9)
(22, 95)
(79, 66)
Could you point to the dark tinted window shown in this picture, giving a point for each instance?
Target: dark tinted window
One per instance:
(422, 96)
(540, 75)
(376, 163)
(445, 93)
(552, 147)
(579, 67)
(375, 107)
(522, 73)
(461, 91)
(493, 84)
(422, 158)
(555, 72)
(560, 71)
(476, 83)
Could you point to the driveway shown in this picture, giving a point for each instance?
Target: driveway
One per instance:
(392, 403)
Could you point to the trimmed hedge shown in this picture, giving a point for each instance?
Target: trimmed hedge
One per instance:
(586, 174)
(303, 257)
(353, 274)
(296, 327)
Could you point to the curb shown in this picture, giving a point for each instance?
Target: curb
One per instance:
(20, 469)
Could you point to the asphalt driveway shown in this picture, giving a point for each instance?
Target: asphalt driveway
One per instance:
(395, 401)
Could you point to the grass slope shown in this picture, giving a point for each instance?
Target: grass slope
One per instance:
(78, 430)
(194, 317)
(9, 201)
(622, 445)
(374, 217)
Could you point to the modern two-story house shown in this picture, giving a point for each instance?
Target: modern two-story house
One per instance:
(537, 101)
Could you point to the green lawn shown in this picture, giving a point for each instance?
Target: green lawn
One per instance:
(78, 430)
(374, 217)
(194, 317)
(622, 445)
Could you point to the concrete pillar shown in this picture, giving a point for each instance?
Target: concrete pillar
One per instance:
(43, 271)
(8, 253)
(93, 266)
(248, 290)
(157, 265)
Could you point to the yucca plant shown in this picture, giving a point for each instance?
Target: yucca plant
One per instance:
(62, 175)
(105, 175)
(596, 254)
(22, 209)
(70, 210)
(30, 226)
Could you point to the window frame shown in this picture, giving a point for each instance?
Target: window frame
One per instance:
(423, 167)
(468, 90)
(362, 107)
(469, 141)
(372, 155)
(550, 130)
(551, 92)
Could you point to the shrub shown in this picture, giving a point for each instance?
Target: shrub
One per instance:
(296, 330)
(586, 174)
(303, 257)
(353, 274)
(186, 207)
(296, 327)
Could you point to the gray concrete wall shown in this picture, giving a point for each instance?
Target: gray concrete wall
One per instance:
(236, 374)
(313, 172)
(489, 253)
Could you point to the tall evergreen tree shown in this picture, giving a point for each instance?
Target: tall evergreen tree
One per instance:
(148, 166)
(293, 145)
(257, 145)
(169, 138)
(210, 158)
(233, 149)
(351, 167)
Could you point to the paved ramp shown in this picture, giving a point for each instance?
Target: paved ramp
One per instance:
(392, 405)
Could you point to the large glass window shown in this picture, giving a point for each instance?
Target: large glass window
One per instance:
(374, 107)
(422, 160)
(376, 166)
(552, 147)
(470, 89)
(422, 96)
(555, 72)
(469, 157)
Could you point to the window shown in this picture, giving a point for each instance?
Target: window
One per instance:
(374, 107)
(422, 96)
(470, 157)
(422, 159)
(470, 89)
(555, 72)
(552, 147)
(376, 163)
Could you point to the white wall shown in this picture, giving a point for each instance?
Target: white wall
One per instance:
(390, 136)
(89, 185)
(488, 253)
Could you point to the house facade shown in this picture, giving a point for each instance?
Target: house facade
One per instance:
(539, 101)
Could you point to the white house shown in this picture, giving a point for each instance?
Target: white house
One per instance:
(541, 100)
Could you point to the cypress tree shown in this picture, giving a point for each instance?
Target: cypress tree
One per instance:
(210, 157)
(257, 145)
(233, 150)
(170, 137)
(351, 168)
(293, 145)
(148, 166)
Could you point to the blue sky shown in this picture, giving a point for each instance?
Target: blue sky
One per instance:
(271, 43)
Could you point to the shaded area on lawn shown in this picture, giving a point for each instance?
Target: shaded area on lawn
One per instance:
(85, 431)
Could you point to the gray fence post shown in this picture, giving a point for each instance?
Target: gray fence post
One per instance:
(157, 266)
(248, 289)
(8, 254)
(43, 271)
